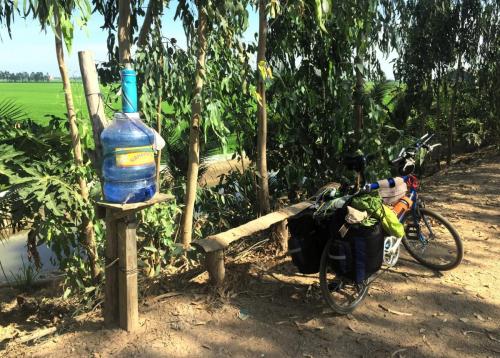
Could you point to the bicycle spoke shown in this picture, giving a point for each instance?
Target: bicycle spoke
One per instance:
(430, 240)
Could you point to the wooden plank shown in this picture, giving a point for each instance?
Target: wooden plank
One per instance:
(158, 198)
(222, 240)
(122, 208)
(111, 273)
(127, 275)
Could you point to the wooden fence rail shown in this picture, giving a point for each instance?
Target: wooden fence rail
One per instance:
(214, 245)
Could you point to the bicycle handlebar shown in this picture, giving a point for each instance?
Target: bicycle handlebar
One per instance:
(374, 186)
(410, 153)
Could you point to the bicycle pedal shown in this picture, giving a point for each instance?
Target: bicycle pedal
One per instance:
(335, 286)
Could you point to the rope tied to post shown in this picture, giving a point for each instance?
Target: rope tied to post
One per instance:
(107, 259)
(129, 272)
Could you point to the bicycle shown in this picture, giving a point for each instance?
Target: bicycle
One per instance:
(425, 231)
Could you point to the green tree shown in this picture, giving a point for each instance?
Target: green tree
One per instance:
(194, 130)
(58, 16)
(262, 74)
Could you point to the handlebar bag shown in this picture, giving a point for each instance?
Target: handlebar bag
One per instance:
(391, 190)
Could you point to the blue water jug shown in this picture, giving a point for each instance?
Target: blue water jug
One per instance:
(129, 91)
(129, 167)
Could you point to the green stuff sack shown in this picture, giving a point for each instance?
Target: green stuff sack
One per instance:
(391, 224)
(372, 203)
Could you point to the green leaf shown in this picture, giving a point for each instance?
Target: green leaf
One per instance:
(150, 249)
(67, 292)
(318, 9)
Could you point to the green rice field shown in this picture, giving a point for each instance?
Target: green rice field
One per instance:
(41, 99)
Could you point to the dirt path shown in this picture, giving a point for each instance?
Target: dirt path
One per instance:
(270, 311)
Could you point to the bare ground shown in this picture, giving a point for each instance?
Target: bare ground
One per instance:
(268, 310)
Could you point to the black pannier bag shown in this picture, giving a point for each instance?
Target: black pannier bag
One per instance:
(308, 238)
(359, 254)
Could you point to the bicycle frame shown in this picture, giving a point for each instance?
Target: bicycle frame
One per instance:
(415, 212)
(415, 208)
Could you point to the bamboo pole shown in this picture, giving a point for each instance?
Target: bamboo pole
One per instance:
(95, 104)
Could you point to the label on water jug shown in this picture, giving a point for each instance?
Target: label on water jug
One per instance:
(134, 156)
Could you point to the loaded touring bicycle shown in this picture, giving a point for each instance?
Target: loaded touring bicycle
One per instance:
(351, 233)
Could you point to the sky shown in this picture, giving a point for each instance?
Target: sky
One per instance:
(32, 50)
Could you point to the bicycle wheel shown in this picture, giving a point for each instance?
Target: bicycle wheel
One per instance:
(341, 294)
(432, 240)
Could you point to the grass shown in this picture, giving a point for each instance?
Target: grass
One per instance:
(24, 278)
(41, 99)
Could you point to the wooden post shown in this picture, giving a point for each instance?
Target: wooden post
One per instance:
(280, 231)
(95, 104)
(111, 272)
(120, 290)
(214, 262)
(127, 275)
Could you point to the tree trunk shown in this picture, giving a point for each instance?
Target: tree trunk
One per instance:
(358, 103)
(146, 25)
(263, 194)
(194, 132)
(240, 152)
(438, 90)
(427, 104)
(451, 123)
(358, 112)
(124, 33)
(77, 151)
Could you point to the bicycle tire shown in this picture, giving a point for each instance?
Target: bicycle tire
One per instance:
(456, 237)
(324, 264)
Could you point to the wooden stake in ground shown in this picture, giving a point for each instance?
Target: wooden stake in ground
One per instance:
(263, 192)
(127, 274)
(88, 228)
(194, 131)
(111, 305)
